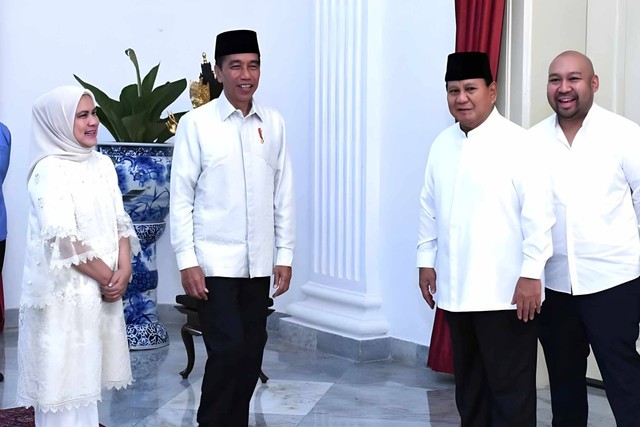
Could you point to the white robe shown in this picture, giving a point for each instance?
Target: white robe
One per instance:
(486, 215)
(71, 343)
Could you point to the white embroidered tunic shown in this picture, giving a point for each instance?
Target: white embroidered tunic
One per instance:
(71, 342)
(486, 215)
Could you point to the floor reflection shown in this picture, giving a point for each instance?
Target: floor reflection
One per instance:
(306, 388)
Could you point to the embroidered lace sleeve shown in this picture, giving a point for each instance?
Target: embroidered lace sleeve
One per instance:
(125, 229)
(53, 204)
(66, 252)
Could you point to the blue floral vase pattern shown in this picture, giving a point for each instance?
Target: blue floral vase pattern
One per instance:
(144, 171)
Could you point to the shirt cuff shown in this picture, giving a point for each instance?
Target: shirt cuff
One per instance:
(186, 259)
(426, 259)
(284, 257)
(532, 269)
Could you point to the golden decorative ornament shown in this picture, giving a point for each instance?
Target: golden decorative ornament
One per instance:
(199, 90)
(172, 123)
(199, 93)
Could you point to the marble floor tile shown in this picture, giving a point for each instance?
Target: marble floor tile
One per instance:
(384, 373)
(277, 403)
(306, 388)
(600, 414)
(375, 402)
(328, 420)
(187, 417)
(276, 397)
(287, 397)
(170, 418)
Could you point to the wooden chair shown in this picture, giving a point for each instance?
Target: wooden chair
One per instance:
(189, 306)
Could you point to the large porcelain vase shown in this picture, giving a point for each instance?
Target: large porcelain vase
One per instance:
(143, 177)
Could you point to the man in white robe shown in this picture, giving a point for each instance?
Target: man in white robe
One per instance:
(485, 229)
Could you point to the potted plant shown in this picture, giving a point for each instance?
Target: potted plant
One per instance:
(136, 116)
(142, 159)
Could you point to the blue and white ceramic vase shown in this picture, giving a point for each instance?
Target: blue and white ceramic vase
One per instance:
(143, 177)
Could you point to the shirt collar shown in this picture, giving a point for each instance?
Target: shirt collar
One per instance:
(594, 111)
(484, 126)
(226, 109)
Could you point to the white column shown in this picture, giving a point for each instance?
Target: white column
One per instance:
(338, 296)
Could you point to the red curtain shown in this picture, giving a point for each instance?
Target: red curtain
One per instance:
(440, 349)
(478, 28)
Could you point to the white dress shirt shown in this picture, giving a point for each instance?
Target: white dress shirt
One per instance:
(232, 197)
(485, 216)
(596, 184)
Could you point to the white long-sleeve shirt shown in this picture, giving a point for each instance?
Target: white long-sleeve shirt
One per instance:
(232, 198)
(596, 183)
(486, 215)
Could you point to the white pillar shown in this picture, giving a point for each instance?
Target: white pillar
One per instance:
(342, 296)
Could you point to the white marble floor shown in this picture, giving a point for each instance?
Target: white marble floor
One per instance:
(306, 388)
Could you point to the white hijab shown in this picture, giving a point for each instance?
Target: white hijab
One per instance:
(53, 117)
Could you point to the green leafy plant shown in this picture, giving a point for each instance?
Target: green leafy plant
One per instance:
(136, 116)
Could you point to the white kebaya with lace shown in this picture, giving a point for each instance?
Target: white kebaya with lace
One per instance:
(71, 342)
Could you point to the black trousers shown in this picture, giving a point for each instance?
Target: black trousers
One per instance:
(609, 321)
(494, 362)
(234, 330)
(3, 246)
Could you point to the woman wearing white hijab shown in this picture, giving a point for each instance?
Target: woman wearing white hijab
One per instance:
(72, 338)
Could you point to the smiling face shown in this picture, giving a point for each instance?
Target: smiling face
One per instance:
(571, 86)
(239, 74)
(471, 101)
(85, 123)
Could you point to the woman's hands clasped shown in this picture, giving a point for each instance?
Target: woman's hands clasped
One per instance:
(117, 285)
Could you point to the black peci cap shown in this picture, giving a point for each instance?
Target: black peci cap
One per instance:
(236, 41)
(468, 65)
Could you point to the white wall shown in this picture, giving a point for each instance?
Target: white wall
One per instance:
(417, 38)
(39, 51)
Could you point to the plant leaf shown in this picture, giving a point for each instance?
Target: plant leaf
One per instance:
(132, 56)
(110, 107)
(130, 101)
(136, 116)
(154, 130)
(149, 80)
(165, 95)
(136, 125)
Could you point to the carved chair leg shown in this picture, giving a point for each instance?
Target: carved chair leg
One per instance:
(263, 377)
(187, 332)
(187, 338)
